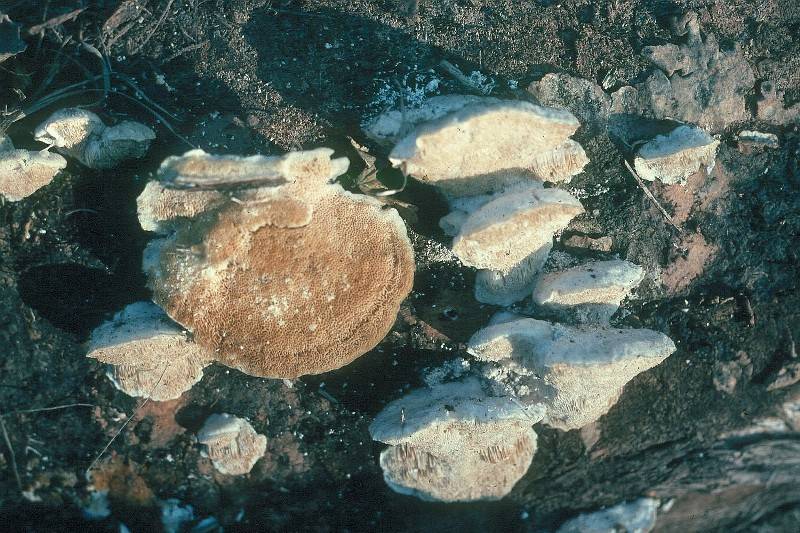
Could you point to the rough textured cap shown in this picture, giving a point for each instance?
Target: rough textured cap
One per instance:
(673, 157)
(150, 356)
(582, 370)
(81, 134)
(278, 299)
(485, 146)
(231, 443)
(503, 232)
(454, 442)
(23, 172)
(594, 289)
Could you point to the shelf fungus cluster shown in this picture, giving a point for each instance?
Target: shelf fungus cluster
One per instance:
(82, 135)
(23, 172)
(454, 442)
(489, 159)
(274, 269)
(472, 439)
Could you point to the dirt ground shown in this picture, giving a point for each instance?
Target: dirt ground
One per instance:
(255, 76)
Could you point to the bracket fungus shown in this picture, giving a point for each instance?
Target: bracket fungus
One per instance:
(23, 172)
(488, 144)
(289, 277)
(231, 443)
(673, 157)
(592, 291)
(82, 135)
(454, 442)
(503, 232)
(148, 354)
(578, 371)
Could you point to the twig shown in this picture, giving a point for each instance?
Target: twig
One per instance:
(459, 76)
(119, 431)
(184, 50)
(106, 65)
(652, 198)
(155, 28)
(55, 21)
(53, 408)
(11, 453)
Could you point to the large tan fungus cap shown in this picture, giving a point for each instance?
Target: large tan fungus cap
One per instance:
(275, 292)
(159, 208)
(582, 369)
(485, 146)
(231, 443)
(674, 157)
(23, 172)
(150, 356)
(502, 233)
(82, 135)
(454, 442)
(597, 287)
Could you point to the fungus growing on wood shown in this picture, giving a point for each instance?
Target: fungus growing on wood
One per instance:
(148, 354)
(498, 288)
(282, 280)
(505, 231)
(674, 157)
(489, 144)
(454, 442)
(593, 290)
(23, 172)
(580, 371)
(82, 135)
(231, 443)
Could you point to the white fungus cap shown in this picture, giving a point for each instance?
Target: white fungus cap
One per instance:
(231, 443)
(581, 370)
(673, 157)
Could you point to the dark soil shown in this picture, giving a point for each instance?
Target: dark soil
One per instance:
(248, 76)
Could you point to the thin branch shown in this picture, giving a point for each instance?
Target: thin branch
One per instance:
(459, 76)
(11, 453)
(43, 409)
(55, 21)
(652, 198)
(121, 429)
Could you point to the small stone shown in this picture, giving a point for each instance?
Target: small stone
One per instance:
(674, 157)
(750, 140)
(638, 516)
(727, 374)
(584, 242)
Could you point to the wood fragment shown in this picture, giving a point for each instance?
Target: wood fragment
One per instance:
(651, 197)
(55, 21)
(11, 454)
(184, 50)
(459, 76)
